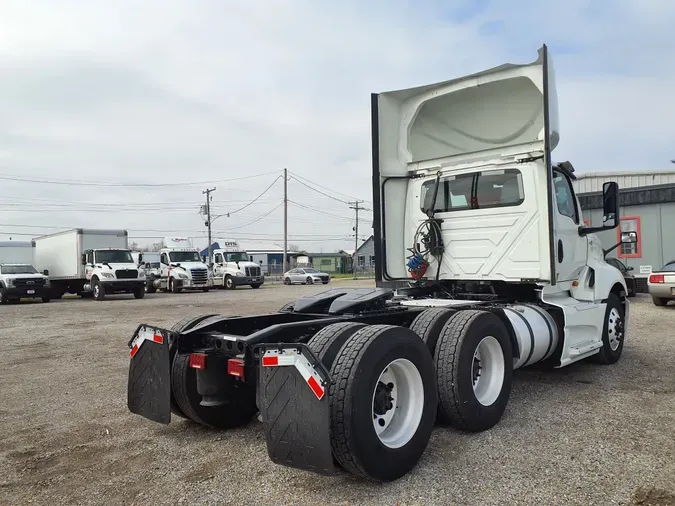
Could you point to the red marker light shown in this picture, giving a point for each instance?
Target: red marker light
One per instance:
(198, 360)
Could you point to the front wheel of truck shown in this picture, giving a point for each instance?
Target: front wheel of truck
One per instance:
(139, 292)
(98, 289)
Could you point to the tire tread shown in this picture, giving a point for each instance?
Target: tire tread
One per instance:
(343, 371)
(447, 349)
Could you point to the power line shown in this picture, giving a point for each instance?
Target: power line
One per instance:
(326, 188)
(318, 191)
(257, 219)
(71, 182)
(255, 199)
(171, 231)
(314, 210)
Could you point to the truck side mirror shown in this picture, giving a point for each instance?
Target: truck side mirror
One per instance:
(140, 258)
(46, 272)
(83, 260)
(610, 205)
(610, 211)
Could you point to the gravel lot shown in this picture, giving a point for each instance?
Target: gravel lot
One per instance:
(582, 435)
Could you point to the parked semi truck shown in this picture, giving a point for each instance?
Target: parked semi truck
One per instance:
(89, 263)
(181, 267)
(483, 266)
(232, 267)
(19, 279)
(149, 262)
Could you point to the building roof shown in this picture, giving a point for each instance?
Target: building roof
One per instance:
(253, 248)
(365, 243)
(326, 255)
(590, 182)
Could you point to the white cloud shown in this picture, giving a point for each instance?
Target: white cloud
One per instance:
(179, 91)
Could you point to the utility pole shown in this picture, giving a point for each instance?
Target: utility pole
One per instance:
(207, 192)
(285, 261)
(355, 206)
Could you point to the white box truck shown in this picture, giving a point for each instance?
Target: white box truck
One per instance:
(89, 263)
(19, 279)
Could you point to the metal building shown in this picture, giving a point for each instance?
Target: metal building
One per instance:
(647, 201)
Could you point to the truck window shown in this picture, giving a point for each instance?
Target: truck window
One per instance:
(564, 196)
(219, 258)
(478, 190)
(236, 257)
(164, 259)
(90, 257)
(114, 256)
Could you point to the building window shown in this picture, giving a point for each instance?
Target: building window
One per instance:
(362, 260)
(372, 259)
(629, 224)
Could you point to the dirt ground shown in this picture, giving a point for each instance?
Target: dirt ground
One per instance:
(585, 434)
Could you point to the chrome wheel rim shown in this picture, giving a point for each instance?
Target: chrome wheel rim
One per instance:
(614, 329)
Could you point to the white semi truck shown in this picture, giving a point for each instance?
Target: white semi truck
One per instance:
(483, 266)
(19, 279)
(89, 263)
(232, 267)
(181, 267)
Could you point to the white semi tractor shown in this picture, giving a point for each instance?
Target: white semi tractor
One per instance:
(232, 267)
(181, 268)
(90, 263)
(19, 279)
(483, 265)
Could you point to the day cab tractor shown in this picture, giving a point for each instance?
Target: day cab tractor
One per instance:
(483, 265)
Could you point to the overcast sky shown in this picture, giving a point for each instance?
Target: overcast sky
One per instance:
(189, 91)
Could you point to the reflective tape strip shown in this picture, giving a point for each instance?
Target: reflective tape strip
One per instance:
(144, 335)
(274, 358)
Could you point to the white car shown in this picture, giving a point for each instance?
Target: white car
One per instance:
(306, 276)
(661, 284)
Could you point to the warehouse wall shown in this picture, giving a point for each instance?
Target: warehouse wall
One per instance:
(656, 242)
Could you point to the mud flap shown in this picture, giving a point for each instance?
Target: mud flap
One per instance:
(149, 386)
(293, 395)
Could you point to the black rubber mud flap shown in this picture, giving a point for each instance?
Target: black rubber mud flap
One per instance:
(149, 386)
(295, 408)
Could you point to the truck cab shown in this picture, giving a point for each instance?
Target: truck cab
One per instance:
(112, 271)
(181, 267)
(232, 267)
(22, 281)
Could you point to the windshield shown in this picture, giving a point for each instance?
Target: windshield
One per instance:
(116, 256)
(309, 271)
(236, 257)
(18, 269)
(184, 256)
(670, 266)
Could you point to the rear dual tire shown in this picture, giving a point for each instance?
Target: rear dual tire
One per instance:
(185, 399)
(383, 402)
(473, 360)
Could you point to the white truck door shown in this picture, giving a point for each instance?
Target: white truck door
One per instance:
(570, 249)
(219, 267)
(164, 265)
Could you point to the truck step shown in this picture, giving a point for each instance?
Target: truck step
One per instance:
(583, 348)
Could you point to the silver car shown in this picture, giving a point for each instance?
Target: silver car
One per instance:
(661, 284)
(307, 276)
